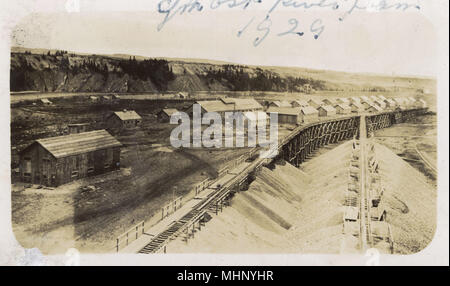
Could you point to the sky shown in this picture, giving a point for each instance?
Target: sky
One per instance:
(382, 42)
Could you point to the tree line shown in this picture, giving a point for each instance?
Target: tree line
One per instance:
(240, 80)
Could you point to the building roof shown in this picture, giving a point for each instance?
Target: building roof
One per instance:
(285, 103)
(355, 98)
(380, 101)
(309, 110)
(285, 110)
(169, 111)
(375, 107)
(390, 101)
(342, 105)
(380, 96)
(411, 99)
(235, 104)
(45, 100)
(276, 103)
(343, 100)
(127, 115)
(365, 98)
(328, 108)
(315, 100)
(300, 102)
(74, 144)
(78, 124)
(357, 104)
(331, 101)
(398, 100)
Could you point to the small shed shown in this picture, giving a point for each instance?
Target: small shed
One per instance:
(288, 115)
(309, 114)
(326, 111)
(106, 98)
(365, 98)
(374, 108)
(421, 103)
(77, 128)
(314, 102)
(45, 101)
(120, 120)
(343, 109)
(380, 103)
(165, 114)
(356, 107)
(181, 95)
(355, 99)
(93, 98)
(411, 100)
(366, 103)
(382, 97)
(389, 103)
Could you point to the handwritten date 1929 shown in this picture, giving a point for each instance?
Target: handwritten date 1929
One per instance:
(264, 27)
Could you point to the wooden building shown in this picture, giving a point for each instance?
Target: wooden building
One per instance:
(390, 103)
(326, 111)
(355, 99)
(374, 108)
(380, 103)
(45, 101)
(366, 103)
(343, 109)
(314, 102)
(227, 105)
(58, 160)
(309, 114)
(106, 99)
(287, 115)
(165, 114)
(421, 103)
(123, 120)
(299, 103)
(330, 101)
(356, 107)
(77, 128)
(277, 103)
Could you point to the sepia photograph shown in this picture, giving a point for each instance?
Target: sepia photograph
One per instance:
(224, 127)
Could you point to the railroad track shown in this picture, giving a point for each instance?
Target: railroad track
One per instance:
(364, 202)
(198, 211)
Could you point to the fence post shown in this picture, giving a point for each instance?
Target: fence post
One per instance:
(137, 231)
(117, 244)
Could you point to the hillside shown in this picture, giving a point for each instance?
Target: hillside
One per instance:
(61, 71)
